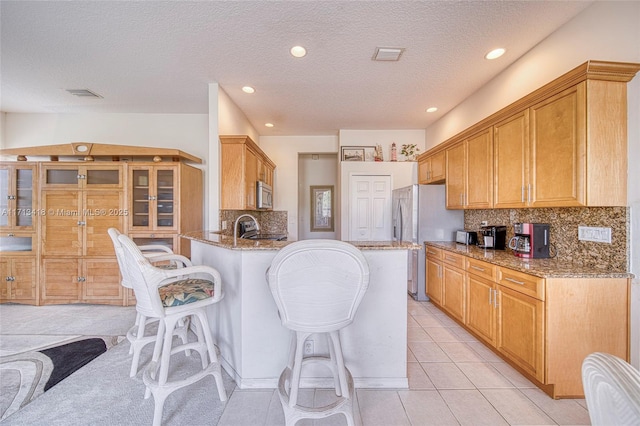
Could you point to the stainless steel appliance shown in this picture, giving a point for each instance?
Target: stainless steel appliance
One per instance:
(493, 237)
(248, 229)
(419, 215)
(264, 196)
(469, 238)
(531, 240)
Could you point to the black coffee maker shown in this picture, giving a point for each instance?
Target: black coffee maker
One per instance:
(493, 237)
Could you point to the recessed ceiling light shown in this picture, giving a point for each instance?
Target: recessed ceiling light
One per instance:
(268, 124)
(432, 109)
(298, 51)
(248, 89)
(495, 53)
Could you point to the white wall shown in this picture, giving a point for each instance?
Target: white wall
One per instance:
(232, 120)
(315, 169)
(605, 31)
(284, 150)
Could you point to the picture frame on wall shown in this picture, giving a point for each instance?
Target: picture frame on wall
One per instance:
(322, 208)
(352, 153)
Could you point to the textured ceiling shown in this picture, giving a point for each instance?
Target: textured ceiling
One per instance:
(159, 56)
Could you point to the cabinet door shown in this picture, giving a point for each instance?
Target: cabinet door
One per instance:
(166, 193)
(510, 144)
(103, 210)
(153, 194)
(558, 148)
(17, 205)
(520, 332)
(453, 292)
(101, 280)
(480, 315)
(61, 230)
(424, 166)
(60, 280)
(456, 177)
(5, 278)
(251, 167)
(479, 168)
(438, 167)
(434, 280)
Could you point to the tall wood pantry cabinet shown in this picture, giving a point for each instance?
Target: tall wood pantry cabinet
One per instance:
(62, 252)
(18, 233)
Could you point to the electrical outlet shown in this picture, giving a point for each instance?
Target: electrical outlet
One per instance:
(308, 347)
(598, 235)
(224, 225)
(484, 223)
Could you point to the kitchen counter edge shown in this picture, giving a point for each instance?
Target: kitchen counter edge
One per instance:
(215, 238)
(543, 268)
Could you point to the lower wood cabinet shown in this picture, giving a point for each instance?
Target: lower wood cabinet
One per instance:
(18, 279)
(544, 327)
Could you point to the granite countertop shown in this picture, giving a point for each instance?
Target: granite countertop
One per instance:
(544, 268)
(225, 241)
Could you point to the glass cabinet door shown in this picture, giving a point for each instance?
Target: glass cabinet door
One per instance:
(140, 198)
(16, 197)
(68, 176)
(165, 193)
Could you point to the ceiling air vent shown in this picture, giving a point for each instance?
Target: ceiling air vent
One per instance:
(388, 53)
(83, 93)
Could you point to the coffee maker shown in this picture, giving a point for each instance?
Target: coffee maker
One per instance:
(493, 237)
(531, 240)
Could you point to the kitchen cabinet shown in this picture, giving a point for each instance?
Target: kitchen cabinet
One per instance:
(431, 168)
(89, 280)
(18, 184)
(480, 315)
(511, 142)
(243, 163)
(544, 327)
(453, 285)
(469, 171)
(433, 274)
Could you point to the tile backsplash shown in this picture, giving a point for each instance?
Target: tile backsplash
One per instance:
(564, 231)
(270, 221)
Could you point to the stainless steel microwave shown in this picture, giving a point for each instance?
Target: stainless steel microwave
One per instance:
(264, 196)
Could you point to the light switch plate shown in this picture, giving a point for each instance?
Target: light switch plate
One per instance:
(591, 233)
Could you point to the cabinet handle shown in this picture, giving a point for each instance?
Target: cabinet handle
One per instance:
(11, 197)
(439, 271)
(461, 202)
(10, 278)
(477, 268)
(11, 234)
(522, 194)
(151, 197)
(490, 294)
(514, 281)
(81, 223)
(529, 193)
(81, 279)
(495, 298)
(81, 176)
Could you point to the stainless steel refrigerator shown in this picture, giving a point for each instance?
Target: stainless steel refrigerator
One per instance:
(419, 215)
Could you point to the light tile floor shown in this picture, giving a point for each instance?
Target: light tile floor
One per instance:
(453, 380)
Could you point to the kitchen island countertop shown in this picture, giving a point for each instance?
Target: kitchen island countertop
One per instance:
(544, 268)
(225, 241)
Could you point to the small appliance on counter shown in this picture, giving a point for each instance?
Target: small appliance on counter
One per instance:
(531, 240)
(493, 237)
(469, 238)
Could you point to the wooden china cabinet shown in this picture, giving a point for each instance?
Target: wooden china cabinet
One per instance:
(62, 253)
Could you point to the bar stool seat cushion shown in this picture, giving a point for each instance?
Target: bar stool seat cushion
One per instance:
(183, 292)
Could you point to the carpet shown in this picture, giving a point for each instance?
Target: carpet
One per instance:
(102, 393)
(25, 376)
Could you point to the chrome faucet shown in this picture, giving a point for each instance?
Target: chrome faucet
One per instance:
(235, 226)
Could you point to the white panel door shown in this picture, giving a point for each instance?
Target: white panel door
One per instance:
(370, 212)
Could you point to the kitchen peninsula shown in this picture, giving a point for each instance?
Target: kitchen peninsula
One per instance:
(254, 345)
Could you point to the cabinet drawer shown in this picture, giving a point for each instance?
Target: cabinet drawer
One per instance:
(523, 283)
(434, 253)
(480, 268)
(453, 259)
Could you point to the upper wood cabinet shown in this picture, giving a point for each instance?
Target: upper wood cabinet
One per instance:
(562, 145)
(18, 184)
(469, 172)
(243, 163)
(431, 168)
